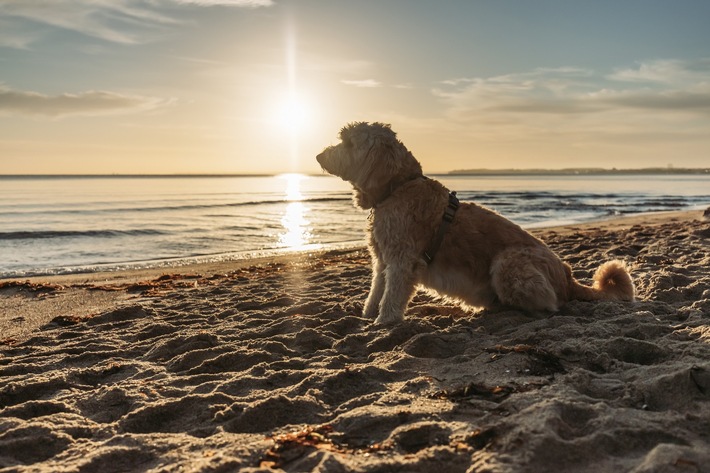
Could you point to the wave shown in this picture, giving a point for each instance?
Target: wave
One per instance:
(178, 207)
(580, 200)
(36, 235)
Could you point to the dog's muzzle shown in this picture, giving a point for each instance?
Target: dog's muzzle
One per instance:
(321, 158)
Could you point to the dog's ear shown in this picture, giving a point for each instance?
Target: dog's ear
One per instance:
(399, 161)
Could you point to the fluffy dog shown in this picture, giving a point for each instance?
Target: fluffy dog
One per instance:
(483, 259)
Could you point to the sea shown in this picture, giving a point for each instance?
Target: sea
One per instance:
(77, 224)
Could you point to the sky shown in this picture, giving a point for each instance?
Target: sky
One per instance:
(262, 86)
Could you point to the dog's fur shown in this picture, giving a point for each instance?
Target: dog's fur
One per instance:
(484, 260)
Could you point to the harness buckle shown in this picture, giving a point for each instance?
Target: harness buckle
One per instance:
(451, 209)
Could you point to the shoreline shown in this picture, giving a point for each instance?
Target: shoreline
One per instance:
(120, 276)
(29, 303)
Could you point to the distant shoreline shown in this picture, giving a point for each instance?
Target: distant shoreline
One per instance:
(457, 172)
(580, 172)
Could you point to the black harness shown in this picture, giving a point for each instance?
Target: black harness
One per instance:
(446, 220)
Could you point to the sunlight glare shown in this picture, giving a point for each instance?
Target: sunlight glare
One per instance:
(293, 185)
(294, 114)
(297, 234)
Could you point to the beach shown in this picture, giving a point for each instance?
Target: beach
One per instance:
(268, 365)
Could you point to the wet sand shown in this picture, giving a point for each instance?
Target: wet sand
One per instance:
(268, 365)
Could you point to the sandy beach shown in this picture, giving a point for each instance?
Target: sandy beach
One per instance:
(268, 365)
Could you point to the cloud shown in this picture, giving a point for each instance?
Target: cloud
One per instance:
(568, 111)
(120, 21)
(672, 86)
(11, 35)
(367, 83)
(229, 3)
(545, 91)
(372, 83)
(666, 100)
(90, 103)
(117, 21)
(665, 71)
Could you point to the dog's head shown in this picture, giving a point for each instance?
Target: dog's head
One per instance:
(372, 159)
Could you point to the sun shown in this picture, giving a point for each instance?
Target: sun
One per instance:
(294, 113)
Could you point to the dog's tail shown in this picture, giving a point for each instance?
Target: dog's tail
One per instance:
(611, 282)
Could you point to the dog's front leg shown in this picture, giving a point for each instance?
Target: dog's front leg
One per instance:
(377, 288)
(399, 287)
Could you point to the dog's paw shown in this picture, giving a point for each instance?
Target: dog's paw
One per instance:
(389, 319)
(370, 311)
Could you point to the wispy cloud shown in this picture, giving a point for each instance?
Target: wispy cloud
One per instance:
(118, 21)
(665, 72)
(367, 83)
(11, 35)
(652, 102)
(372, 84)
(658, 85)
(90, 103)
(697, 100)
(229, 3)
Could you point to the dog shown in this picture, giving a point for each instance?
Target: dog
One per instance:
(479, 257)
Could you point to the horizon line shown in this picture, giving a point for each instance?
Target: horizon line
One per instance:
(455, 172)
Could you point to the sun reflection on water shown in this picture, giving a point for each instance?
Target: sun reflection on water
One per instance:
(297, 227)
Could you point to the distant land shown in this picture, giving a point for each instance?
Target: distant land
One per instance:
(461, 172)
(578, 171)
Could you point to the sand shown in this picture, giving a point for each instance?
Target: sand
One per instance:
(268, 366)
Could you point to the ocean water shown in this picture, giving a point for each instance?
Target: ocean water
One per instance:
(60, 225)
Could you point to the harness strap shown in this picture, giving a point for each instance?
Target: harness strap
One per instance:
(446, 220)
